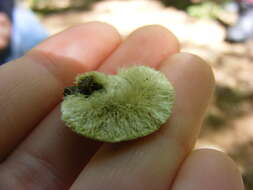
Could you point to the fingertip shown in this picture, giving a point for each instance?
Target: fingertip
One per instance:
(216, 159)
(148, 45)
(192, 78)
(193, 63)
(79, 42)
(208, 169)
(78, 32)
(160, 36)
(197, 63)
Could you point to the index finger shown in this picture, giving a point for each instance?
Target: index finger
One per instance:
(33, 85)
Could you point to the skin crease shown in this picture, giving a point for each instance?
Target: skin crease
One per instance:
(52, 157)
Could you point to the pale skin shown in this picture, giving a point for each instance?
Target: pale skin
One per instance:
(38, 152)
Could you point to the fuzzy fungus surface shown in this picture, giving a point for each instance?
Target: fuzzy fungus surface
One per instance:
(113, 108)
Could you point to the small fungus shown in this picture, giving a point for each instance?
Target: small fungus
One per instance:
(114, 108)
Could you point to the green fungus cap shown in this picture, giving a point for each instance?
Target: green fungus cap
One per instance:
(114, 108)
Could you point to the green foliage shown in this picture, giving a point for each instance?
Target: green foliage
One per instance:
(204, 10)
(179, 4)
(53, 6)
(114, 108)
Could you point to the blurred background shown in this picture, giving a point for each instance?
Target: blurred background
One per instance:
(221, 32)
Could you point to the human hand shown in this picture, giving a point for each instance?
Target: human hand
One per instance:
(5, 30)
(39, 152)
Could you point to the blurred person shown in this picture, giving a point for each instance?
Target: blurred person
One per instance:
(20, 30)
(243, 29)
